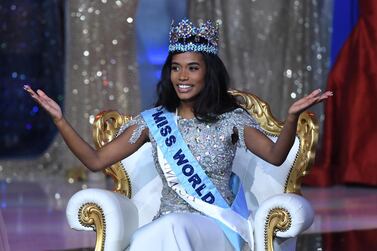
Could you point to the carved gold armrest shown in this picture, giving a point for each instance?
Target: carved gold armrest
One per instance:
(91, 215)
(105, 129)
(278, 219)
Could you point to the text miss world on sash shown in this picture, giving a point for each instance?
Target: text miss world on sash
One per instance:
(180, 158)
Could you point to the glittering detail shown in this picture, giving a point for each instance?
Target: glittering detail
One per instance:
(101, 74)
(185, 29)
(240, 121)
(193, 47)
(255, 36)
(138, 120)
(216, 160)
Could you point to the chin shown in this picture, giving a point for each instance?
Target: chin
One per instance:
(187, 98)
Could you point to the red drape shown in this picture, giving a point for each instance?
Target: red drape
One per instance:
(350, 240)
(349, 150)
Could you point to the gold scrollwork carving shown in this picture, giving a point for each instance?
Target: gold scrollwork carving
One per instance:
(307, 132)
(260, 110)
(105, 129)
(91, 215)
(278, 219)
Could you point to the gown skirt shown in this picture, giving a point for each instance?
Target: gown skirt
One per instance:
(181, 232)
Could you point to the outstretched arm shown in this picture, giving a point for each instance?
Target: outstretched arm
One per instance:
(95, 160)
(277, 152)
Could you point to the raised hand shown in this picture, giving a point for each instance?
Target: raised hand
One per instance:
(304, 103)
(46, 103)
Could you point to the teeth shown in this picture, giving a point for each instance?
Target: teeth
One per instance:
(184, 86)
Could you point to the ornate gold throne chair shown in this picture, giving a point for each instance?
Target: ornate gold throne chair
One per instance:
(273, 193)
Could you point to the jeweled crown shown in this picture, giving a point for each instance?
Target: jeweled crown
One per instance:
(186, 37)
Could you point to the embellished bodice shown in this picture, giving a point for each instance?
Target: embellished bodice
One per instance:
(212, 144)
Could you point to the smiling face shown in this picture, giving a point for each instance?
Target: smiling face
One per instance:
(187, 75)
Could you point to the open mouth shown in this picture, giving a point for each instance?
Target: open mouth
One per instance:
(184, 87)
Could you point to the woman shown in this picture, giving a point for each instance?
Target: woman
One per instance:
(193, 150)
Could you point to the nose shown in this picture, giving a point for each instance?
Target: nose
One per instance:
(183, 75)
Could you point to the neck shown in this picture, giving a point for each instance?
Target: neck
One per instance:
(185, 110)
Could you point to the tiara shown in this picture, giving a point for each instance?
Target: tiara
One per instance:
(203, 38)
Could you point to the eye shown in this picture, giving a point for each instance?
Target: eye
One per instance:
(175, 68)
(194, 68)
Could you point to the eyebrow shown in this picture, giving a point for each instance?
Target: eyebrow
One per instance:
(191, 63)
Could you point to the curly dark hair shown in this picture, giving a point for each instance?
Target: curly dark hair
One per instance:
(212, 101)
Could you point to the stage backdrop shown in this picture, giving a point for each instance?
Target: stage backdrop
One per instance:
(101, 73)
(278, 50)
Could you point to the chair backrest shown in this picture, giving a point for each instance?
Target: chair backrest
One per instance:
(262, 180)
(136, 177)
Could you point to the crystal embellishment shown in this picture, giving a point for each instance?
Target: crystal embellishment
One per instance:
(205, 37)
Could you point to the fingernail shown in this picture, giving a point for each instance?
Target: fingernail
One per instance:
(26, 87)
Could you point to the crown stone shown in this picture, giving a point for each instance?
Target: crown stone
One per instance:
(205, 37)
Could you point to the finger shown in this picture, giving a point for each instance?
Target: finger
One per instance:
(315, 97)
(326, 94)
(308, 100)
(41, 93)
(29, 90)
(44, 97)
(39, 99)
(322, 98)
(307, 103)
(314, 93)
(34, 95)
(329, 93)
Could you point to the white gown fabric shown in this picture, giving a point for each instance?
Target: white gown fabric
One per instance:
(180, 232)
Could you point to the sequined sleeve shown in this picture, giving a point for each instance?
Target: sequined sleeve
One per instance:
(140, 126)
(241, 120)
